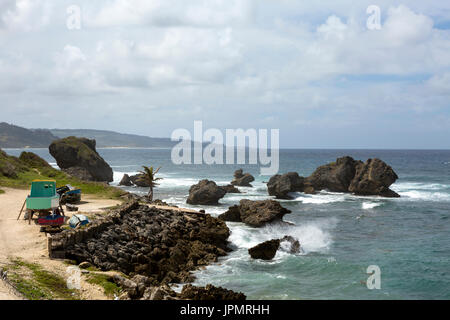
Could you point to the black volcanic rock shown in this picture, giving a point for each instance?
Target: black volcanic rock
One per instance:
(81, 153)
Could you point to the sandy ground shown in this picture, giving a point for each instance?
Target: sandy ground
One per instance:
(19, 239)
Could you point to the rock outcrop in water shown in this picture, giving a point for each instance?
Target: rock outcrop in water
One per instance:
(281, 185)
(255, 213)
(205, 192)
(241, 179)
(374, 177)
(78, 157)
(268, 249)
(126, 181)
(230, 189)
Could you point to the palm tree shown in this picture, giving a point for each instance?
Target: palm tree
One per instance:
(149, 175)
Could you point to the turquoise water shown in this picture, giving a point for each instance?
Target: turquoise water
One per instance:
(341, 235)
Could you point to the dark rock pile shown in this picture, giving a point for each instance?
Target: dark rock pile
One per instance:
(374, 177)
(209, 292)
(141, 287)
(162, 245)
(255, 213)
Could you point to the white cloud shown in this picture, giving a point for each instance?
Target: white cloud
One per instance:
(283, 61)
(25, 15)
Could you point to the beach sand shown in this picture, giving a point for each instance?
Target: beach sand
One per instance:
(18, 239)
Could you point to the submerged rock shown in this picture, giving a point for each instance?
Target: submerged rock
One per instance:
(241, 179)
(255, 213)
(80, 153)
(205, 192)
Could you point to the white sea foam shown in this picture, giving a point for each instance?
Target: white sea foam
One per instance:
(321, 198)
(313, 236)
(407, 186)
(422, 191)
(370, 205)
(117, 176)
(426, 196)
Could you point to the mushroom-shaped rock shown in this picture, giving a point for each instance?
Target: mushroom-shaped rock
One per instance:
(205, 192)
(73, 152)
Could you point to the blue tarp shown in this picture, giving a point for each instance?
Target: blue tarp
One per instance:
(78, 219)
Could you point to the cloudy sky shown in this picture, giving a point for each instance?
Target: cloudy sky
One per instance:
(313, 69)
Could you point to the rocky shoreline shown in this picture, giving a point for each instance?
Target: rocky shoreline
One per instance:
(152, 247)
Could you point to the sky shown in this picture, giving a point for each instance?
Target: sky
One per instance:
(312, 69)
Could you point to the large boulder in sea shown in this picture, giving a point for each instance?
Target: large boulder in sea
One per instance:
(266, 250)
(241, 179)
(255, 213)
(280, 185)
(373, 178)
(73, 152)
(205, 192)
(335, 176)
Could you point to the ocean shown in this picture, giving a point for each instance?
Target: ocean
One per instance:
(341, 235)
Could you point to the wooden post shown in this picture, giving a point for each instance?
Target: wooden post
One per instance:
(23, 206)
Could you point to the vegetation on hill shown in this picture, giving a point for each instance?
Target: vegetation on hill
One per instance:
(20, 172)
(12, 136)
(107, 139)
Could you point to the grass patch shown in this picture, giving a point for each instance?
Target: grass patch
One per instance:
(35, 283)
(1, 191)
(24, 179)
(109, 287)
